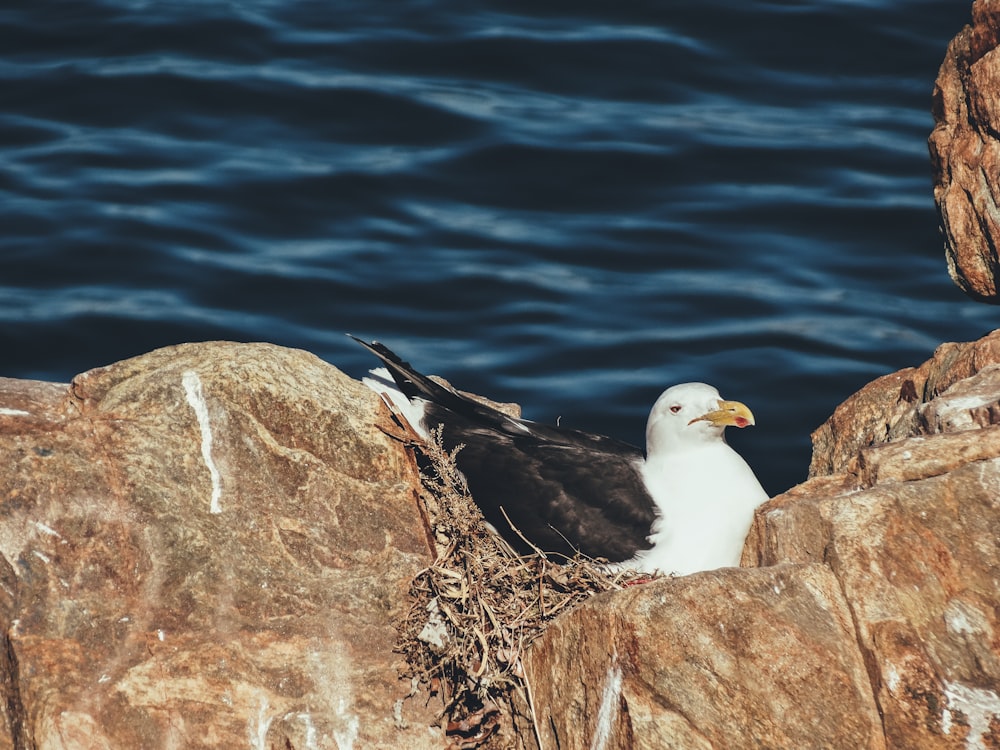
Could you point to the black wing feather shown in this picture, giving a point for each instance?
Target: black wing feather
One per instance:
(566, 490)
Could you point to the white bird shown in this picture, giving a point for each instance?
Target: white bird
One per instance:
(684, 505)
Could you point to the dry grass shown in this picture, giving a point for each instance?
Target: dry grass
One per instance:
(480, 604)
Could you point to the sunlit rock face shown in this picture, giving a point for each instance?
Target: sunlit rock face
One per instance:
(205, 546)
(866, 614)
(904, 507)
(965, 153)
(210, 546)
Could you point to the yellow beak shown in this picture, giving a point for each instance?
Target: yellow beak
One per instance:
(729, 413)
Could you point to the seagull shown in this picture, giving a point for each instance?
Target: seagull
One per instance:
(682, 506)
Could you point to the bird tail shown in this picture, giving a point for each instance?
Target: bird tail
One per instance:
(408, 380)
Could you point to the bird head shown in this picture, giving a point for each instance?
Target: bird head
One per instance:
(690, 414)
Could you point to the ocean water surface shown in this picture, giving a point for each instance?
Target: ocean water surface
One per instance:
(571, 206)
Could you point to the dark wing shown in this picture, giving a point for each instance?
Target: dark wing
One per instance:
(565, 490)
(415, 385)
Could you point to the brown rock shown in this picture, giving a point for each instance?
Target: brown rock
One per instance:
(910, 527)
(893, 407)
(919, 564)
(205, 546)
(725, 659)
(965, 153)
(874, 621)
(208, 546)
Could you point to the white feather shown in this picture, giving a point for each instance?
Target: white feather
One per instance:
(705, 492)
(382, 383)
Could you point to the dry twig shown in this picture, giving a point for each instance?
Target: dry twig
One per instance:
(480, 604)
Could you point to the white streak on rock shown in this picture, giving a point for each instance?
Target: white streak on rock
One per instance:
(608, 711)
(47, 530)
(196, 399)
(962, 618)
(5, 412)
(330, 667)
(946, 721)
(349, 733)
(41, 556)
(979, 707)
(258, 734)
(892, 678)
(311, 736)
(397, 714)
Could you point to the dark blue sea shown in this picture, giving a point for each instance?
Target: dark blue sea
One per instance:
(567, 205)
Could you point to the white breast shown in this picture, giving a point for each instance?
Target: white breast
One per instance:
(706, 497)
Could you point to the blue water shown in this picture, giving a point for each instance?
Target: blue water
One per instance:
(561, 204)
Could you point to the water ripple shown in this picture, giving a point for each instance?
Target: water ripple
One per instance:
(569, 208)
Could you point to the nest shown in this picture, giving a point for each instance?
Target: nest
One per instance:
(479, 605)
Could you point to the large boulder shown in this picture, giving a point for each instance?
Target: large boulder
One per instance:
(904, 508)
(965, 153)
(206, 546)
(722, 659)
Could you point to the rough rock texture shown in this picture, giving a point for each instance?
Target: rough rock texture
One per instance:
(209, 545)
(724, 659)
(965, 153)
(205, 546)
(909, 523)
(897, 406)
(868, 615)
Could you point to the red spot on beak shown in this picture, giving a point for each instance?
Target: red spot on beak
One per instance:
(741, 422)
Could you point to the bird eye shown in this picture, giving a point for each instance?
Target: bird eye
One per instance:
(675, 408)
